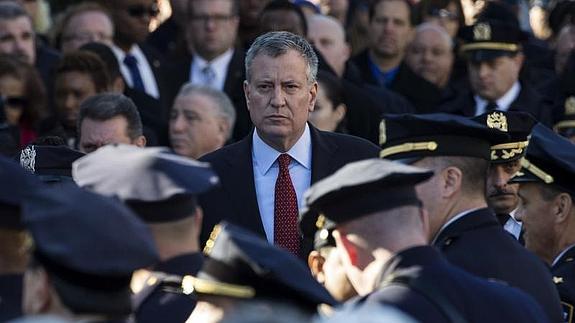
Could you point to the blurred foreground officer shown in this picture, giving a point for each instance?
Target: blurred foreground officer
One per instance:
(82, 261)
(242, 268)
(52, 164)
(458, 150)
(383, 244)
(547, 191)
(14, 240)
(161, 188)
(505, 162)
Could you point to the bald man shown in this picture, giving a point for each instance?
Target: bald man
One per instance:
(328, 37)
(430, 55)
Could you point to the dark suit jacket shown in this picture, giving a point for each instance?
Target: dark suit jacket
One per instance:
(235, 200)
(478, 244)
(233, 87)
(564, 278)
(421, 94)
(528, 100)
(10, 297)
(475, 299)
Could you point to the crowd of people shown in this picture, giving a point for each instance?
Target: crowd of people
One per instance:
(287, 161)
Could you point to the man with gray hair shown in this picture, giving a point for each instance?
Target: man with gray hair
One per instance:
(109, 119)
(264, 175)
(201, 121)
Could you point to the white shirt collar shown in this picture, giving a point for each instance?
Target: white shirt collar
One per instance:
(136, 51)
(453, 219)
(266, 155)
(503, 102)
(561, 255)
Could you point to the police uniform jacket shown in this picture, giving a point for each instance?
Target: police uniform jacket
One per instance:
(564, 278)
(528, 100)
(420, 282)
(478, 244)
(162, 299)
(10, 297)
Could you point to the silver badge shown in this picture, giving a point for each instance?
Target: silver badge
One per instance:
(28, 158)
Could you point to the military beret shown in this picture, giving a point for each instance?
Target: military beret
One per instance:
(16, 183)
(364, 187)
(489, 39)
(241, 265)
(157, 184)
(411, 137)
(550, 159)
(90, 244)
(50, 163)
(517, 124)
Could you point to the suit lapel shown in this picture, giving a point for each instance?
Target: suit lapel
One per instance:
(242, 187)
(322, 151)
(234, 74)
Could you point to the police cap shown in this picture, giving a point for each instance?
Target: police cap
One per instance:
(15, 184)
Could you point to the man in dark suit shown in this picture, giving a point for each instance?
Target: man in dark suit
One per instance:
(215, 62)
(380, 233)
(461, 226)
(264, 175)
(140, 65)
(547, 191)
(494, 55)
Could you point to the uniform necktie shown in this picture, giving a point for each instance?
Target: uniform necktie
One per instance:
(491, 106)
(503, 218)
(132, 64)
(286, 233)
(209, 76)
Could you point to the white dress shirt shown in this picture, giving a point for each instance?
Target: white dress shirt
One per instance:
(219, 66)
(512, 225)
(503, 102)
(266, 169)
(453, 219)
(144, 67)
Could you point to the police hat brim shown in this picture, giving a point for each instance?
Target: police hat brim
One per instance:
(483, 55)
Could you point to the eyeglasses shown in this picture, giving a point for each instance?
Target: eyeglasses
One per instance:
(14, 101)
(138, 11)
(218, 19)
(443, 14)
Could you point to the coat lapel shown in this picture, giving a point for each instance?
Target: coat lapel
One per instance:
(322, 151)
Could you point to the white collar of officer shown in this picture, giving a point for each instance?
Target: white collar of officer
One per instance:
(561, 255)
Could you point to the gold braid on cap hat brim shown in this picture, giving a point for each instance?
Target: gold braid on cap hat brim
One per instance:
(492, 46)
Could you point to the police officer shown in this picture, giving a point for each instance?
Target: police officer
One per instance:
(468, 234)
(505, 162)
(13, 237)
(547, 191)
(161, 188)
(86, 247)
(242, 269)
(381, 235)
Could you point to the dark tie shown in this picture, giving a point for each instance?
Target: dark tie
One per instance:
(286, 233)
(209, 76)
(132, 64)
(491, 106)
(503, 218)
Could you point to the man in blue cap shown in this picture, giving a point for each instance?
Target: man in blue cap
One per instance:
(162, 189)
(82, 261)
(506, 157)
(381, 235)
(466, 231)
(547, 192)
(13, 237)
(242, 268)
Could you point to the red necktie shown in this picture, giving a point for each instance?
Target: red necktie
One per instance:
(286, 233)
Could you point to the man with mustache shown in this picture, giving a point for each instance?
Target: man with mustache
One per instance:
(505, 162)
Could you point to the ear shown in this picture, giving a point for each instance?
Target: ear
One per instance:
(562, 207)
(347, 51)
(140, 141)
(37, 295)
(247, 93)
(452, 178)
(224, 128)
(340, 112)
(315, 262)
(118, 85)
(313, 96)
